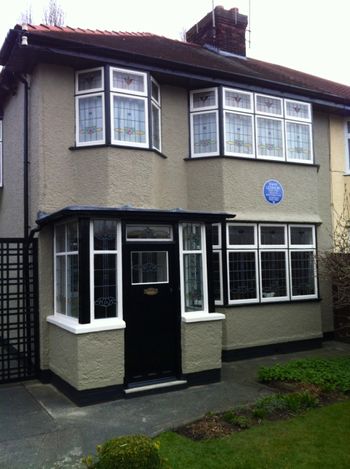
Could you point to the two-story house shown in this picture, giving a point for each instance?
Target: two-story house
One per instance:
(179, 192)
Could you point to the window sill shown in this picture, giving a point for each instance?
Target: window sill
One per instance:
(270, 303)
(202, 317)
(124, 147)
(260, 160)
(76, 328)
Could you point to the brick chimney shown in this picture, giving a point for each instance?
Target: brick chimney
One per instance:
(222, 29)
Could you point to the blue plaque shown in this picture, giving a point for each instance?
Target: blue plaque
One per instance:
(273, 192)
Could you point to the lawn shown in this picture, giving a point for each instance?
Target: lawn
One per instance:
(318, 439)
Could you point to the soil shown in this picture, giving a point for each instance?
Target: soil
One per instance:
(214, 425)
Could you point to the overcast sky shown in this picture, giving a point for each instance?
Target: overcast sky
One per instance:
(308, 35)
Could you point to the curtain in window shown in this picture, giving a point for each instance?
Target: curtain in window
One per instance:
(129, 119)
(90, 119)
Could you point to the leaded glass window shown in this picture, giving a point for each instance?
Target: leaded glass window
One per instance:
(149, 232)
(239, 138)
(128, 81)
(129, 120)
(90, 80)
(298, 142)
(241, 235)
(273, 235)
(268, 105)
(204, 99)
(242, 276)
(302, 236)
(303, 273)
(66, 270)
(90, 119)
(274, 282)
(270, 138)
(156, 126)
(149, 267)
(205, 133)
(217, 263)
(297, 110)
(239, 100)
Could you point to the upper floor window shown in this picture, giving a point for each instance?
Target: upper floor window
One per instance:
(347, 146)
(0, 153)
(253, 126)
(117, 106)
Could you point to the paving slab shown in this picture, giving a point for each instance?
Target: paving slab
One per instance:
(41, 429)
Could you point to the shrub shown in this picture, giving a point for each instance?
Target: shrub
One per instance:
(127, 452)
(240, 421)
(284, 403)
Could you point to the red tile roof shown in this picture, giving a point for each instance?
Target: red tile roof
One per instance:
(191, 55)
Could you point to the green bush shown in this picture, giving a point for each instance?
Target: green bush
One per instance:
(127, 452)
(240, 421)
(330, 374)
(284, 403)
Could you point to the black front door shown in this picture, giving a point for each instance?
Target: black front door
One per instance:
(151, 311)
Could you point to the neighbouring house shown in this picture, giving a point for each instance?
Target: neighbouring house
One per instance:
(171, 198)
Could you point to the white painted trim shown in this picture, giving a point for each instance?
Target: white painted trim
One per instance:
(218, 225)
(204, 108)
(202, 317)
(94, 142)
(232, 153)
(91, 90)
(294, 118)
(157, 106)
(126, 142)
(123, 90)
(220, 302)
(298, 160)
(159, 103)
(257, 276)
(235, 108)
(303, 297)
(302, 246)
(241, 246)
(213, 153)
(268, 113)
(264, 157)
(273, 246)
(76, 328)
(148, 240)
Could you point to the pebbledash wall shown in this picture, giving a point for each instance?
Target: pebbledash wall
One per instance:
(112, 177)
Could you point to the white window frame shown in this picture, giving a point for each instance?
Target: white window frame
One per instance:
(124, 143)
(298, 160)
(347, 146)
(105, 322)
(301, 246)
(157, 104)
(1, 153)
(203, 108)
(65, 254)
(213, 153)
(257, 272)
(148, 240)
(123, 90)
(295, 118)
(274, 299)
(188, 315)
(232, 153)
(239, 247)
(236, 108)
(219, 245)
(270, 114)
(273, 246)
(217, 249)
(94, 142)
(265, 157)
(303, 297)
(90, 90)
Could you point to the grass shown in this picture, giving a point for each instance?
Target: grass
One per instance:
(330, 374)
(318, 439)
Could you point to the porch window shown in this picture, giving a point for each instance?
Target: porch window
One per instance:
(66, 272)
(193, 264)
(217, 263)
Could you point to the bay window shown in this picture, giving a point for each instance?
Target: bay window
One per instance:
(121, 103)
(250, 125)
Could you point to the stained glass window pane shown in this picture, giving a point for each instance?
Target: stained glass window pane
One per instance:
(72, 286)
(217, 275)
(239, 133)
(60, 231)
(129, 119)
(205, 139)
(272, 235)
(203, 99)
(237, 99)
(242, 275)
(105, 235)
(72, 237)
(128, 81)
(295, 109)
(61, 284)
(268, 105)
(105, 281)
(193, 282)
(240, 235)
(90, 80)
(302, 235)
(298, 141)
(192, 237)
(303, 275)
(149, 267)
(273, 274)
(156, 127)
(90, 119)
(269, 137)
(149, 232)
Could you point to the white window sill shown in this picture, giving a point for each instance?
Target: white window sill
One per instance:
(76, 328)
(202, 317)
